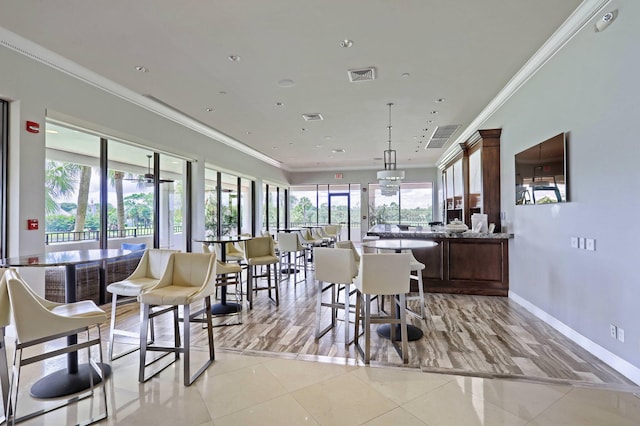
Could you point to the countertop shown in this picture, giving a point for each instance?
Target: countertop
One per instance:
(394, 231)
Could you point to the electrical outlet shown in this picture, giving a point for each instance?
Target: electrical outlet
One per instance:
(620, 334)
(581, 243)
(613, 331)
(574, 242)
(591, 244)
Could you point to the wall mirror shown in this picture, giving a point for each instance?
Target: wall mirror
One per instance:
(541, 172)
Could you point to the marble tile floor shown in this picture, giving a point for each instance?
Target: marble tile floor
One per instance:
(241, 389)
(483, 360)
(466, 335)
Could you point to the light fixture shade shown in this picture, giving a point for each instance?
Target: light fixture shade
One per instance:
(391, 174)
(389, 184)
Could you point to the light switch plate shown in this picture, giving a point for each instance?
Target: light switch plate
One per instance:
(574, 242)
(581, 243)
(591, 244)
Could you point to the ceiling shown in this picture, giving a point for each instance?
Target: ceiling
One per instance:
(461, 51)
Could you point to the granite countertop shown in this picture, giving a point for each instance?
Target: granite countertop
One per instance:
(393, 231)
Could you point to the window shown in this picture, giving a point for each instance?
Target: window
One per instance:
(72, 182)
(303, 205)
(411, 206)
(130, 208)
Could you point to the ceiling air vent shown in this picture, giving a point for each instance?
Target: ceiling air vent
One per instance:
(363, 74)
(312, 117)
(441, 136)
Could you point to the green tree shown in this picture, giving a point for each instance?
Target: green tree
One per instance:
(59, 183)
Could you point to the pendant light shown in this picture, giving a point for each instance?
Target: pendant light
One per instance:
(390, 172)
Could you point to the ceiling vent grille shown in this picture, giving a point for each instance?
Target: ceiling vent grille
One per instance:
(441, 136)
(312, 117)
(363, 74)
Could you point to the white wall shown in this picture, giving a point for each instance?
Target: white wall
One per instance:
(590, 89)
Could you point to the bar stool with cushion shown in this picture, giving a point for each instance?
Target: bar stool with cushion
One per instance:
(260, 251)
(288, 246)
(188, 278)
(146, 275)
(332, 231)
(335, 267)
(383, 274)
(38, 321)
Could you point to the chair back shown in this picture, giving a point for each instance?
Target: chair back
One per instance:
(152, 264)
(315, 233)
(133, 247)
(206, 248)
(289, 242)
(384, 273)
(193, 269)
(334, 265)
(258, 247)
(348, 244)
(5, 306)
(332, 230)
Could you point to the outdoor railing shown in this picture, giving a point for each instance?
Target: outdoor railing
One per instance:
(69, 236)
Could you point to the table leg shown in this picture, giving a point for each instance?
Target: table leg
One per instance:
(76, 378)
(223, 307)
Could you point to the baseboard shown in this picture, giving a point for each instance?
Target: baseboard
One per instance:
(612, 360)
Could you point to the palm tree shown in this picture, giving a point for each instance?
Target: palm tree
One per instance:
(83, 198)
(59, 179)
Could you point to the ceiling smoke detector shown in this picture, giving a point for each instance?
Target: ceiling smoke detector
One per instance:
(362, 74)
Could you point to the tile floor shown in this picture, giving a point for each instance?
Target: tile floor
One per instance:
(242, 389)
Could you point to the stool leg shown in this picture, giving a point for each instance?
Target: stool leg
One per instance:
(144, 326)
(114, 300)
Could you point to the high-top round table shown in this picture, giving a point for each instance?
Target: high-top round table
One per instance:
(76, 377)
(397, 245)
(224, 307)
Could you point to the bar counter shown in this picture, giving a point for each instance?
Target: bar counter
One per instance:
(467, 263)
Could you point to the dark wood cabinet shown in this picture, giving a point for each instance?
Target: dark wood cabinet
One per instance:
(476, 167)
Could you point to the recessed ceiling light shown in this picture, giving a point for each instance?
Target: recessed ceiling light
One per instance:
(440, 100)
(142, 69)
(337, 150)
(328, 138)
(274, 147)
(429, 121)
(405, 75)
(222, 92)
(248, 133)
(209, 109)
(346, 43)
(279, 103)
(286, 83)
(434, 112)
(234, 58)
(303, 129)
(318, 146)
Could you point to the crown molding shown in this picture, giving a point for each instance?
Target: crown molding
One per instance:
(38, 53)
(571, 26)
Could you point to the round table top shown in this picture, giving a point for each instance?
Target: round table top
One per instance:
(399, 244)
(224, 239)
(62, 258)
